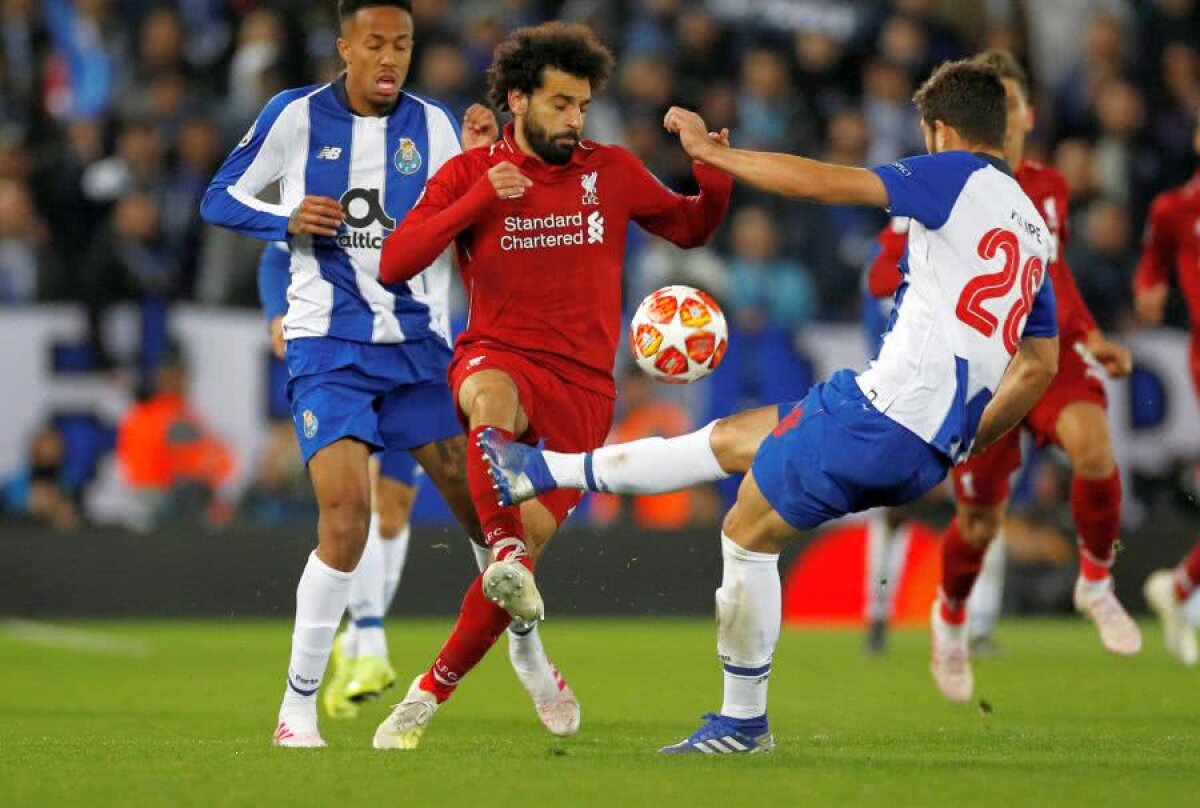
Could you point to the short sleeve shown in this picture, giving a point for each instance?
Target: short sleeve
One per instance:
(1043, 318)
(925, 188)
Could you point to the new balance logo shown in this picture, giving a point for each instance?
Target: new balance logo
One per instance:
(595, 233)
(329, 153)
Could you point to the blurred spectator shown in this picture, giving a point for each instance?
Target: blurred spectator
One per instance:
(174, 465)
(1104, 59)
(764, 288)
(647, 415)
(1103, 256)
(661, 264)
(137, 165)
(891, 117)
(260, 46)
(27, 270)
(37, 491)
(1126, 163)
(825, 72)
(129, 262)
(771, 117)
(281, 491)
(1175, 116)
(89, 45)
(443, 75)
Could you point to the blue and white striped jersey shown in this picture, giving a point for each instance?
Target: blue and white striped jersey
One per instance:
(310, 141)
(975, 284)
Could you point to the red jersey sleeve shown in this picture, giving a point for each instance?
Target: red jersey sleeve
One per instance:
(1158, 248)
(687, 221)
(454, 199)
(883, 275)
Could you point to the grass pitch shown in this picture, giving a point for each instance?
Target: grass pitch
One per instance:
(181, 713)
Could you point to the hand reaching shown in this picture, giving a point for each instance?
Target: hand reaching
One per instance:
(479, 127)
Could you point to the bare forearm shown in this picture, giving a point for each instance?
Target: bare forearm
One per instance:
(1023, 384)
(790, 175)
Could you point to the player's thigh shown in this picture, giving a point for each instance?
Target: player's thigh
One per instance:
(1082, 431)
(492, 397)
(736, 439)
(752, 523)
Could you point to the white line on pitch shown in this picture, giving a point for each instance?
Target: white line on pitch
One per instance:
(74, 639)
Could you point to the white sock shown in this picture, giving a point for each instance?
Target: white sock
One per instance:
(350, 639)
(483, 556)
(321, 599)
(986, 596)
(886, 553)
(529, 660)
(749, 606)
(395, 553)
(367, 596)
(647, 466)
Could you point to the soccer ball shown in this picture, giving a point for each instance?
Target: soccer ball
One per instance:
(678, 334)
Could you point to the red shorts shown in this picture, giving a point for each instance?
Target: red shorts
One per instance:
(983, 481)
(568, 417)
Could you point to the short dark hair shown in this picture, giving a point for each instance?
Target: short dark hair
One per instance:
(1006, 66)
(570, 47)
(348, 8)
(967, 96)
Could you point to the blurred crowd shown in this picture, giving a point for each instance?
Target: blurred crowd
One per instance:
(115, 113)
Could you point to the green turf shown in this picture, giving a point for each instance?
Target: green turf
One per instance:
(189, 723)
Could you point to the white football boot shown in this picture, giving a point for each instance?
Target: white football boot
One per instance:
(1178, 634)
(510, 585)
(403, 728)
(1099, 603)
(949, 658)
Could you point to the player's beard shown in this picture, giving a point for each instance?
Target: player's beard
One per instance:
(547, 146)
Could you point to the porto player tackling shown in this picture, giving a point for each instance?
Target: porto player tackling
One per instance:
(539, 221)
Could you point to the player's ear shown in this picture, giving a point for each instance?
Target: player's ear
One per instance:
(343, 48)
(518, 102)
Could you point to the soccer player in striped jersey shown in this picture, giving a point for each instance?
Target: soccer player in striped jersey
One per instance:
(367, 360)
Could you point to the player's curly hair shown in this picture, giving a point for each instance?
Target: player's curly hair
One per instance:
(520, 59)
(967, 96)
(348, 8)
(1006, 65)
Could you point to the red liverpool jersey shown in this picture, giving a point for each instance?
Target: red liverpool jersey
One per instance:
(1172, 240)
(543, 272)
(1048, 191)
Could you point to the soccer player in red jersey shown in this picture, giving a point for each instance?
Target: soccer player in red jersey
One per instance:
(1071, 414)
(1172, 239)
(539, 221)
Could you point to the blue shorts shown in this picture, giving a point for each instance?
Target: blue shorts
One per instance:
(388, 396)
(399, 465)
(833, 454)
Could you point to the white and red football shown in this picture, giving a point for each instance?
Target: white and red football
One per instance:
(678, 334)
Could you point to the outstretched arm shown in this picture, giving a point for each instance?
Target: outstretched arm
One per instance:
(687, 221)
(784, 174)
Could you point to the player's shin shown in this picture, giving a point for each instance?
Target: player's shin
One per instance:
(961, 562)
(480, 624)
(648, 466)
(321, 598)
(748, 617)
(502, 529)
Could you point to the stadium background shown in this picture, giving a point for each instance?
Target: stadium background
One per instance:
(114, 113)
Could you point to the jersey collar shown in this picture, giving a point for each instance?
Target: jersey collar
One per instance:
(338, 86)
(997, 163)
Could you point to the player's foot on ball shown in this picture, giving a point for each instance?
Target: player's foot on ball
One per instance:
(403, 728)
(1178, 634)
(333, 695)
(510, 585)
(519, 472)
(950, 658)
(297, 729)
(1097, 601)
(369, 677)
(722, 735)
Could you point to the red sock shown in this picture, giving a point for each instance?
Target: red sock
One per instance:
(960, 567)
(502, 530)
(480, 624)
(1187, 574)
(1096, 505)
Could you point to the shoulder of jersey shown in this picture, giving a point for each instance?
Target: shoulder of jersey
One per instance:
(1045, 175)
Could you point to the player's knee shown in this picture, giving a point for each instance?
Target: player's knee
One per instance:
(1093, 459)
(732, 445)
(979, 526)
(344, 521)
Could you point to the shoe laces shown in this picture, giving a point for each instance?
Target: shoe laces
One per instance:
(415, 711)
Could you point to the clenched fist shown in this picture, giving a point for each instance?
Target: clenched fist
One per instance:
(508, 181)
